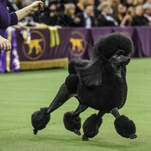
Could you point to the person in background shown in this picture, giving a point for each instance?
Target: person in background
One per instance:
(8, 19)
(80, 6)
(69, 18)
(49, 16)
(138, 2)
(139, 19)
(148, 2)
(128, 18)
(105, 18)
(128, 3)
(86, 17)
(119, 11)
(147, 13)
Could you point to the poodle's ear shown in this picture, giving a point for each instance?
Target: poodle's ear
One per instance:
(91, 75)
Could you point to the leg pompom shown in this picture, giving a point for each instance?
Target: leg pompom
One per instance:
(40, 119)
(91, 126)
(72, 122)
(125, 127)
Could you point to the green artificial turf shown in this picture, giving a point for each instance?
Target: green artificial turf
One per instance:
(23, 93)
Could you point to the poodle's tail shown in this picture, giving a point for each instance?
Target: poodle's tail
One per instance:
(123, 125)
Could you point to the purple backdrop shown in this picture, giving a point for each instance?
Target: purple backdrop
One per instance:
(66, 42)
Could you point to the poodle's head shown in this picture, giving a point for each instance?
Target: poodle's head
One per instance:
(115, 47)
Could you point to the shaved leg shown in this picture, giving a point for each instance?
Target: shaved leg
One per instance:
(62, 96)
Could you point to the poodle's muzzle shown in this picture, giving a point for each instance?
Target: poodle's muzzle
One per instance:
(120, 60)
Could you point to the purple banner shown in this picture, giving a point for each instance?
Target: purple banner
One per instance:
(38, 44)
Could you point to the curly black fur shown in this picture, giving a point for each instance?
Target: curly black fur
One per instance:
(108, 45)
(72, 122)
(99, 83)
(91, 126)
(40, 119)
(125, 127)
(72, 82)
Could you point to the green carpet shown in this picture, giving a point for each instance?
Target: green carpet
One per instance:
(23, 93)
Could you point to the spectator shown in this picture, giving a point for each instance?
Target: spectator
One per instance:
(138, 2)
(148, 2)
(86, 17)
(139, 19)
(69, 16)
(80, 6)
(128, 18)
(147, 13)
(119, 12)
(48, 17)
(128, 3)
(105, 18)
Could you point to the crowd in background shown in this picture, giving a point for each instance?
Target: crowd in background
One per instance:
(88, 13)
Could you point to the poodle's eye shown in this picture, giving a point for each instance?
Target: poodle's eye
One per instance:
(120, 52)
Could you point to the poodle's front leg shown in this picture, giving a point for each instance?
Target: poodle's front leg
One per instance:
(91, 126)
(123, 125)
(72, 120)
(41, 118)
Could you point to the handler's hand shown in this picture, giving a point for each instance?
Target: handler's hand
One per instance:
(5, 44)
(36, 6)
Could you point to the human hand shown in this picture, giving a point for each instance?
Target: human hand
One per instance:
(5, 44)
(35, 6)
(77, 20)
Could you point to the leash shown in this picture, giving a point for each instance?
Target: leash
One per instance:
(46, 7)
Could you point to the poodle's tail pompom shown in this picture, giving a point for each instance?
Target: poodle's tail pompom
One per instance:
(125, 127)
(72, 122)
(40, 119)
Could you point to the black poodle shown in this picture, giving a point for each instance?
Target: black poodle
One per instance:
(99, 83)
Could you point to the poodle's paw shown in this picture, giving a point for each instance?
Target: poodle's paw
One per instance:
(84, 138)
(91, 126)
(133, 136)
(77, 132)
(40, 119)
(125, 127)
(72, 122)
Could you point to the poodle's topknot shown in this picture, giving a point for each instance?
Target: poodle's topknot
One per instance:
(108, 45)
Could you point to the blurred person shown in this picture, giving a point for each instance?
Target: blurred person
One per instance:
(8, 19)
(49, 16)
(97, 12)
(105, 18)
(148, 2)
(128, 3)
(91, 2)
(128, 18)
(138, 2)
(80, 5)
(86, 17)
(69, 16)
(14, 5)
(11, 5)
(69, 1)
(147, 13)
(139, 19)
(115, 2)
(19, 3)
(119, 11)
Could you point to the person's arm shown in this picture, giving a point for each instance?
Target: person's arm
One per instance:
(29, 9)
(5, 44)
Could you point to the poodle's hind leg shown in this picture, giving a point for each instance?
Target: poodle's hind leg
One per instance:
(40, 119)
(123, 125)
(91, 126)
(72, 121)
